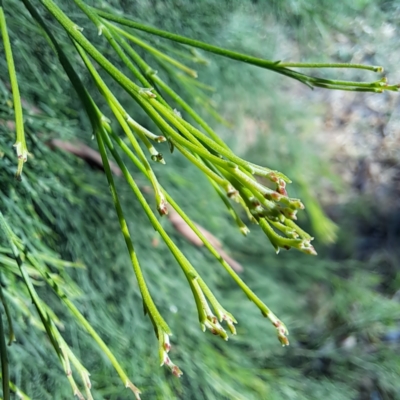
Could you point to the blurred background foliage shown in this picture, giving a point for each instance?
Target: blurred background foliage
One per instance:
(342, 307)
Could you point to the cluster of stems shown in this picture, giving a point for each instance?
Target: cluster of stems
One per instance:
(260, 191)
(30, 266)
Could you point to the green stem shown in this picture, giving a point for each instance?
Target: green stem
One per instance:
(157, 53)
(353, 87)
(146, 69)
(74, 31)
(85, 324)
(249, 293)
(96, 124)
(20, 144)
(142, 132)
(373, 68)
(241, 225)
(63, 347)
(45, 316)
(182, 125)
(125, 231)
(11, 335)
(207, 171)
(80, 368)
(25, 276)
(122, 118)
(154, 221)
(4, 363)
(276, 239)
(189, 271)
(165, 127)
(132, 88)
(104, 29)
(19, 393)
(93, 115)
(276, 66)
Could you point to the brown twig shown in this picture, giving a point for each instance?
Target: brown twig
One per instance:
(85, 152)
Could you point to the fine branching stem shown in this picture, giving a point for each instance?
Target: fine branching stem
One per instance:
(276, 66)
(260, 191)
(20, 143)
(11, 335)
(4, 362)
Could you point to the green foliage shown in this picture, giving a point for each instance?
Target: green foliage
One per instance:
(62, 209)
